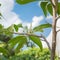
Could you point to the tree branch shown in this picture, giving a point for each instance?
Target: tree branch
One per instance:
(56, 21)
(57, 31)
(46, 42)
(41, 36)
(52, 3)
(57, 18)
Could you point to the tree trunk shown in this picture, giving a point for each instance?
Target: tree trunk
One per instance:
(54, 31)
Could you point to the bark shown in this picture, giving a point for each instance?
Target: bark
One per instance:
(54, 30)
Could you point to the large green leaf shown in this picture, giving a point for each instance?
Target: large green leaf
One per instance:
(49, 8)
(41, 27)
(44, 8)
(21, 44)
(19, 39)
(24, 1)
(58, 11)
(4, 51)
(37, 41)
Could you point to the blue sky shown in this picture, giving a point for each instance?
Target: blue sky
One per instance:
(28, 11)
(15, 13)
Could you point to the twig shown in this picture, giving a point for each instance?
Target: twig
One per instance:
(58, 31)
(57, 18)
(46, 42)
(41, 36)
(58, 27)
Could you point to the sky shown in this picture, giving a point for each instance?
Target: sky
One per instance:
(28, 11)
(25, 14)
(14, 13)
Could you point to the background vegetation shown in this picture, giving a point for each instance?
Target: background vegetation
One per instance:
(30, 54)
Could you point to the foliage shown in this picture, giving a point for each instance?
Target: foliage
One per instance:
(41, 27)
(20, 40)
(24, 1)
(36, 54)
(30, 54)
(4, 51)
(16, 27)
(43, 6)
(37, 41)
(10, 44)
(52, 7)
(14, 44)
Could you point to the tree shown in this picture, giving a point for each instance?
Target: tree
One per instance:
(52, 6)
(8, 41)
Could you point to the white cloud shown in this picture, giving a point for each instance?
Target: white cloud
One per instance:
(9, 17)
(35, 21)
(6, 5)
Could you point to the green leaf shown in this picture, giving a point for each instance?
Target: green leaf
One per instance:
(21, 43)
(37, 41)
(4, 51)
(16, 27)
(24, 1)
(41, 27)
(49, 8)
(58, 11)
(44, 8)
(18, 39)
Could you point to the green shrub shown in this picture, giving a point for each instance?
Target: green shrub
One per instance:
(31, 54)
